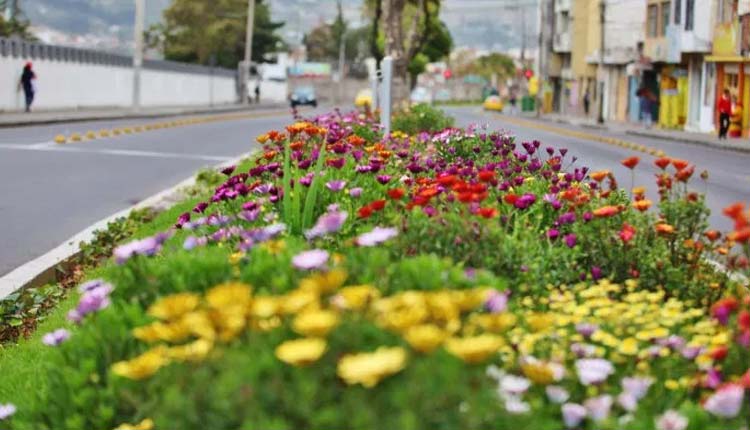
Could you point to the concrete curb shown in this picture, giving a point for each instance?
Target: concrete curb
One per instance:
(44, 269)
(124, 114)
(692, 140)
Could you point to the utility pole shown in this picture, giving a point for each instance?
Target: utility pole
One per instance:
(245, 68)
(600, 71)
(342, 52)
(140, 15)
(541, 51)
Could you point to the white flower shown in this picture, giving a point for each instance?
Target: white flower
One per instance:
(593, 370)
(573, 414)
(637, 387)
(513, 385)
(598, 407)
(557, 394)
(671, 420)
(726, 402)
(515, 405)
(7, 410)
(627, 401)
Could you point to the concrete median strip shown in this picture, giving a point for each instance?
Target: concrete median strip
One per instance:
(634, 146)
(43, 269)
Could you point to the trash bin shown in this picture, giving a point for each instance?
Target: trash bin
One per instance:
(527, 104)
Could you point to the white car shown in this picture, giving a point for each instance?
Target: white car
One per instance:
(421, 95)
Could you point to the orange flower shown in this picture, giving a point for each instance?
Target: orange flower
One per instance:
(683, 175)
(606, 211)
(355, 140)
(662, 162)
(486, 176)
(679, 164)
(712, 235)
(428, 192)
(447, 180)
(599, 175)
(385, 154)
(734, 210)
(263, 138)
(630, 162)
(639, 191)
(642, 205)
(296, 145)
(269, 155)
(396, 193)
(741, 236)
(663, 228)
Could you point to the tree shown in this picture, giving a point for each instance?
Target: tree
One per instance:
(194, 31)
(16, 26)
(488, 65)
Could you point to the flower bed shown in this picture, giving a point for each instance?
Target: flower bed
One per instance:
(450, 280)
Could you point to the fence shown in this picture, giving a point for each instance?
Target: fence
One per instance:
(71, 78)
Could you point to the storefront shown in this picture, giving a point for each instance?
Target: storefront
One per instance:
(673, 96)
(733, 74)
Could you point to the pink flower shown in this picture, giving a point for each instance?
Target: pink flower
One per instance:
(336, 185)
(726, 402)
(593, 370)
(557, 394)
(496, 302)
(637, 386)
(573, 414)
(598, 407)
(56, 337)
(671, 420)
(376, 236)
(328, 223)
(313, 259)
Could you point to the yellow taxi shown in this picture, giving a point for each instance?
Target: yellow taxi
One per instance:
(493, 103)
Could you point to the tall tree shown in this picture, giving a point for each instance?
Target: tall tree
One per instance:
(197, 30)
(16, 26)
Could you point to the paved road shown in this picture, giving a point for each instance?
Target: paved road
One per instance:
(729, 171)
(50, 192)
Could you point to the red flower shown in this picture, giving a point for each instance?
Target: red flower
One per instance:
(377, 205)
(466, 197)
(719, 353)
(364, 212)
(741, 236)
(712, 235)
(627, 233)
(631, 162)
(396, 193)
(510, 199)
(486, 176)
(679, 164)
(447, 180)
(743, 320)
(662, 162)
(684, 174)
(487, 212)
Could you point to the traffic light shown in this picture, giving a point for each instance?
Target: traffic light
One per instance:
(528, 73)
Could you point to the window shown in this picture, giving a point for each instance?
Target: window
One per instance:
(726, 10)
(652, 20)
(677, 11)
(664, 17)
(689, 14)
(564, 18)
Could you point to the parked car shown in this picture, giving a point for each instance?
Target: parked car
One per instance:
(493, 103)
(302, 96)
(364, 98)
(421, 95)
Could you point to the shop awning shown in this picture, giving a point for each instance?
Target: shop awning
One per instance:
(726, 59)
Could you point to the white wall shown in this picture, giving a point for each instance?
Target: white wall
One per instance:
(71, 85)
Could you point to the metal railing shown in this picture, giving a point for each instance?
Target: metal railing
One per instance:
(22, 49)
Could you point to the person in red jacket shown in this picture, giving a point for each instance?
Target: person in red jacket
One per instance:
(725, 111)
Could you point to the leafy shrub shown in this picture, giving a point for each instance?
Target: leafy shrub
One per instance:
(421, 118)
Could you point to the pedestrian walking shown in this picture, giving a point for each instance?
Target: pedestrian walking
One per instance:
(257, 92)
(647, 100)
(513, 100)
(725, 111)
(586, 102)
(27, 84)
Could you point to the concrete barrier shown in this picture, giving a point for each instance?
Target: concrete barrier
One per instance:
(71, 78)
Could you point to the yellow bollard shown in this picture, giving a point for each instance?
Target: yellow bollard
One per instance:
(104, 133)
(75, 137)
(60, 139)
(90, 135)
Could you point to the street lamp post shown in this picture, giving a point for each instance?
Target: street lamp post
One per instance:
(140, 6)
(245, 68)
(600, 71)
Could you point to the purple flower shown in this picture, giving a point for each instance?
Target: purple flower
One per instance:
(228, 170)
(553, 233)
(7, 410)
(355, 192)
(598, 407)
(182, 219)
(690, 352)
(726, 402)
(586, 329)
(313, 259)
(200, 207)
(496, 302)
(573, 414)
(192, 242)
(306, 180)
(525, 201)
(336, 186)
(263, 189)
(91, 301)
(588, 216)
(596, 272)
(713, 378)
(376, 236)
(570, 240)
(383, 179)
(593, 370)
(637, 386)
(552, 200)
(148, 246)
(55, 338)
(328, 223)
(91, 285)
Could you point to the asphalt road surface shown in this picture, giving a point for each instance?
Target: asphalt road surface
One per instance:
(729, 171)
(49, 192)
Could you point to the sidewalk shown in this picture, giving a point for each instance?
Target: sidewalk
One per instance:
(740, 144)
(14, 119)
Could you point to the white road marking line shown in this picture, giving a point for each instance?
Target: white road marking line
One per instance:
(125, 152)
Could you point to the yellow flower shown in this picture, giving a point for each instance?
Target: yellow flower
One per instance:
(144, 365)
(538, 372)
(540, 321)
(193, 351)
(146, 424)
(174, 306)
(231, 294)
(274, 247)
(323, 283)
(474, 349)
(671, 384)
(200, 324)
(315, 323)
(172, 332)
(236, 257)
(301, 352)
(628, 346)
(299, 300)
(495, 322)
(369, 368)
(425, 338)
(358, 296)
(264, 307)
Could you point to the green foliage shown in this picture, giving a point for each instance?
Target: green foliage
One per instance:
(421, 117)
(488, 65)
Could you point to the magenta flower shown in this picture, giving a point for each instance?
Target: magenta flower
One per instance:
(726, 402)
(328, 223)
(496, 302)
(313, 259)
(355, 192)
(553, 233)
(573, 414)
(336, 186)
(200, 207)
(383, 179)
(55, 338)
(570, 240)
(596, 272)
(377, 236)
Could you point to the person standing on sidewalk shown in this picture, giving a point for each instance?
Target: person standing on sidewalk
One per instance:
(725, 111)
(647, 99)
(27, 83)
(586, 102)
